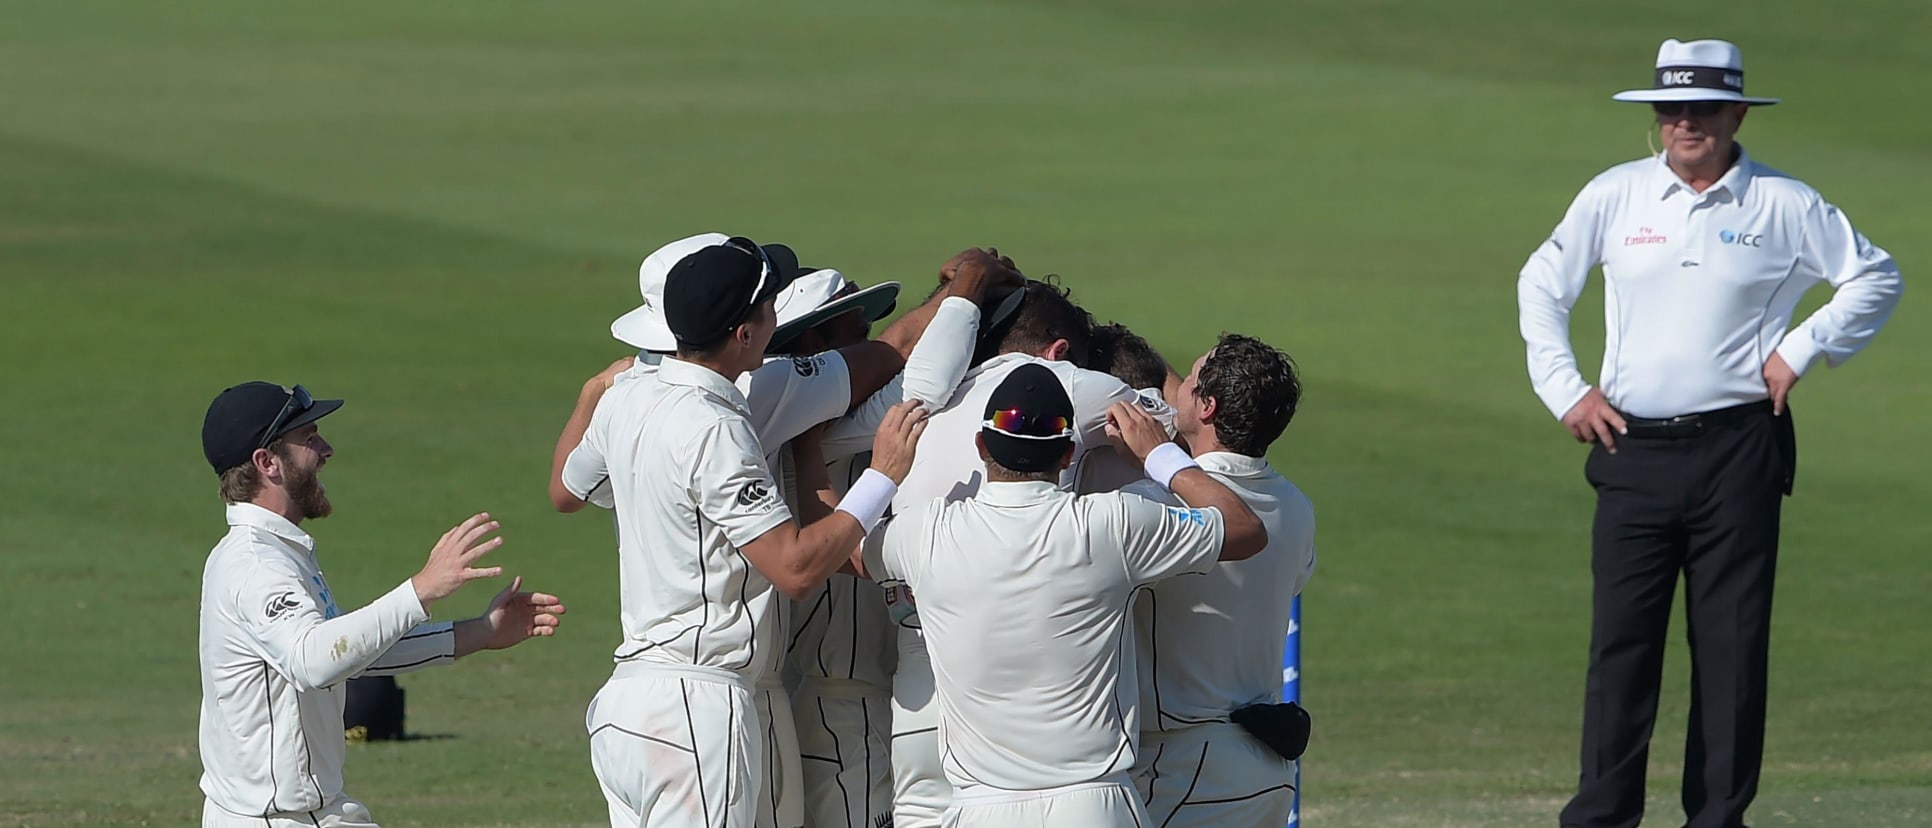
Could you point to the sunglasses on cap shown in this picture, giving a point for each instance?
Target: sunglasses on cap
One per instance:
(1013, 422)
(767, 272)
(1697, 109)
(298, 402)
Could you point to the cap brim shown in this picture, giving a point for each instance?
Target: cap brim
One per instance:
(1688, 94)
(877, 300)
(645, 329)
(1024, 455)
(321, 408)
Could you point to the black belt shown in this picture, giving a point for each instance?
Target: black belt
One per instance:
(1691, 425)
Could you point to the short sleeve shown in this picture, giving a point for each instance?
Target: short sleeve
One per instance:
(586, 472)
(732, 485)
(788, 396)
(896, 551)
(586, 475)
(1158, 541)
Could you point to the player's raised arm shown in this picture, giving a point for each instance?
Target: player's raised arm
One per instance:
(1169, 465)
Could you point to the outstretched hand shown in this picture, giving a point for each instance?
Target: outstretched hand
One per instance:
(448, 567)
(516, 616)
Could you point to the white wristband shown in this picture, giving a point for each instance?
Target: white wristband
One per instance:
(1165, 461)
(869, 498)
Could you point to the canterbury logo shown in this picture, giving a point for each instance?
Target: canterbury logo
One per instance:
(280, 604)
(882, 821)
(753, 493)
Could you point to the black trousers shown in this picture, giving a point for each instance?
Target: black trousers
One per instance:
(1705, 504)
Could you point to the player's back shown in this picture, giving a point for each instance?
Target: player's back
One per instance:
(1026, 619)
(687, 595)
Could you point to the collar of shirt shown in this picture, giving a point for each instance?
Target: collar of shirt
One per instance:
(999, 360)
(675, 371)
(1017, 492)
(251, 515)
(1232, 464)
(1735, 180)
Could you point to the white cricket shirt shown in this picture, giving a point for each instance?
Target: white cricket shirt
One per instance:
(691, 485)
(1023, 594)
(1699, 287)
(1210, 643)
(275, 651)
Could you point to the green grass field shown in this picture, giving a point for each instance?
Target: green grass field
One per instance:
(435, 210)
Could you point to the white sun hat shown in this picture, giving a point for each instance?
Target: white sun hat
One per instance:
(645, 327)
(1697, 70)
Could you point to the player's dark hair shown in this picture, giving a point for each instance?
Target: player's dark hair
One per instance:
(1255, 391)
(1118, 351)
(1048, 313)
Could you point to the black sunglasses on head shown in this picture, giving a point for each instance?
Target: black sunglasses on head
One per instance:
(767, 270)
(1697, 109)
(299, 401)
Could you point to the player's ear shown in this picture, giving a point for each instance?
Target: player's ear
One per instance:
(1066, 458)
(979, 442)
(268, 465)
(1207, 409)
(1057, 351)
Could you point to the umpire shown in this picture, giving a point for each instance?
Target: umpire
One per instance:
(1705, 253)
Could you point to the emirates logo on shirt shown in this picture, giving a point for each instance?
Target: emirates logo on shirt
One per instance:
(1644, 235)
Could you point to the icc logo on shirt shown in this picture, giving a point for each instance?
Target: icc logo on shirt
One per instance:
(1740, 239)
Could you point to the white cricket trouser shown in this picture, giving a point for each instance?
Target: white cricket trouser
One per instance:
(344, 813)
(1106, 804)
(920, 792)
(845, 737)
(781, 781)
(676, 747)
(1213, 775)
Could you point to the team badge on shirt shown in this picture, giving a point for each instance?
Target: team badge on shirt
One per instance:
(754, 493)
(280, 604)
(806, 366)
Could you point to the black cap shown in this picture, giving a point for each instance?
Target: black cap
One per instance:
(712, 291)
(1040, 441)
(251, 415)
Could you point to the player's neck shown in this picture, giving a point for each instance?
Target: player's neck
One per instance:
(724, 364)
(1203, 441)
(276, 500)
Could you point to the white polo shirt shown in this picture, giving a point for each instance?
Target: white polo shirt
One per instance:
(1023, 594)
(1211, 643)
(1699, 287)
(691, 486)
(275, 651)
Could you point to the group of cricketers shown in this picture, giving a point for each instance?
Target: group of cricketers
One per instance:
(949, 574)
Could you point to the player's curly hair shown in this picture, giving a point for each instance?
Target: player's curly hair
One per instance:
(1255, 391)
